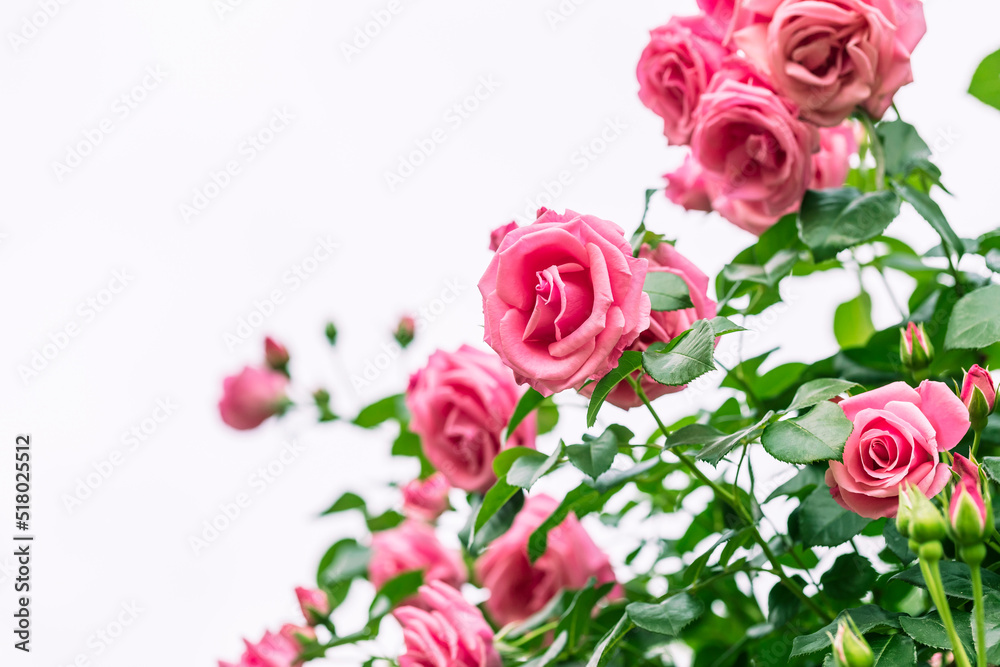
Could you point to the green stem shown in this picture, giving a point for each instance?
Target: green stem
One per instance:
(975, 444)
(932, 576)
(878, 152)
(732, 501)
(980, 609)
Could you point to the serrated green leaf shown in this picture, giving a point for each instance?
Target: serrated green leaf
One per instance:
(833, 220)
(955, 577)
(975, 320)
(603, 650)
(498, 496)
(818, 435)
(528, 402)
(893, 651)
(824, 523)
(630, 362)
(867, 617)
(850, 577)
(930, 631)
(595, 456)
(667, 291)
(932, 213)
(817, 391)
(668, 617)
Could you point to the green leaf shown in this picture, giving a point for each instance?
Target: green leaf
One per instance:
(498, 496)
(528, 402)
(904, 149)
(503, 461)
(817, 391)
(852, 322)
(685, 361)
(348, 501)
(390, 407)
(804, 482)
(893, 651)
(769, 273)
(824, 523)
(394, 591)
(818, 435)
(991, 466)
(666, 618)
(955, 577)
(714, 451)
(384, 521)
(782, 605)
(576, 619)
(898, 545)
(602, 652)
(867, 617)
(975, 320)
(630, 361)
(595, 456)
(721, 326)
(497, 525)
(344, 561)
(551, 653)
(929, 630)
(833, 220)
(992, 608)
(850, 577)
(667, 291)
(985, 85)
(932, 213)
(527, 470)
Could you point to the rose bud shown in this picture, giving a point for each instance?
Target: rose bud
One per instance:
(926, 522)
(979, 395)
(426, 499)
(498, 234)
(903, 513)
(849, 646)
(331, 333)
(276, 355)
(404, 330)
(969, 515)
(252, 396)
(314, 603)
(915, 350)
(280, 649)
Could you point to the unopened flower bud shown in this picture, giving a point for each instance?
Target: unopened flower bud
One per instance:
(968, 514)
(405, 330)
(978, 377)
(926, 522)
(903, 513)
(314, 603)
(276, 355)
(331, 333)
(915, 349)
(849, 646)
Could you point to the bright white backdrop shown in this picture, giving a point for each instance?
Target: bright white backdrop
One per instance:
(165, 97)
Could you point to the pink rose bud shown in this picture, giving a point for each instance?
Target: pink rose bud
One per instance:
(968, 513)
(276, 355)
(426, 499)
(460, 404)
(449, 632)
(898, 437)
(411, 546)
(915, 349)
(979, 378)
(562, 299)
(500, 233)
(314, 603)
(849, 646)
(926, 522)
(687, 187)
(252, 396)
(833, 161)
(274, 650)
(405, 330)
(519, 588)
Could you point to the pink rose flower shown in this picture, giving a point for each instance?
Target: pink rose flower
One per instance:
(899, 434)
(978, 377)
(426, 499)
(753, 148)
(664, 325)
(675, 69)
(450, 632)
(519, 588)
(833, 161)
(274, 650)
(562, 298)
(498, 234)
(314, 604)
(251, 397)
(831, 56)
(461, 403)
(412, 546)
(687, 186)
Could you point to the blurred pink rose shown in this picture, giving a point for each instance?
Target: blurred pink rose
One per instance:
(251, 397)
(755, 151)
(833, 161)
(831, 56)
(313, 603)
(461, 402)
(675, 69)
(562, 298)
(275, 354)
(519, 588)
(687, 187)
(274, 650)
(899, 434)
(449, 632)
(664, 325)
(411, 546)
(497, 235)
(426, 499)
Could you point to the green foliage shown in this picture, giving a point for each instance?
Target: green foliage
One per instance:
(985, 85)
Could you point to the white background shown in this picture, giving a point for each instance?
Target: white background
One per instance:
(164, 335)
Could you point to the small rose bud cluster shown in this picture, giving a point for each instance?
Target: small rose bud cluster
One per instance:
(915, 349)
